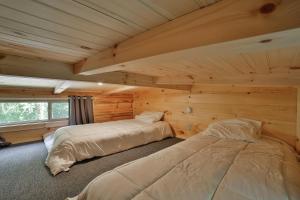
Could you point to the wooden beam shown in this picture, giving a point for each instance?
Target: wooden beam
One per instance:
(261, 43)
(225, 21)
(61, 87)
(37, 68)
(288, 79)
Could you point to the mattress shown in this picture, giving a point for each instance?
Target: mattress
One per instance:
(75, 143)
(204, 167)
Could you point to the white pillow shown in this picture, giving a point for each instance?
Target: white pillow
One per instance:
(150, 117)
(239, 129)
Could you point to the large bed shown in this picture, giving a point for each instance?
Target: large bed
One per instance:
(76, 143)
(215, 164)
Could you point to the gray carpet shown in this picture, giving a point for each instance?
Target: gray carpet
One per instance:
(24, 176)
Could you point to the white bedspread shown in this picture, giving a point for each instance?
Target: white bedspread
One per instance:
(75, 143)
(204, 167)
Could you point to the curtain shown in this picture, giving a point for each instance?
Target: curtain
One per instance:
(81, 110)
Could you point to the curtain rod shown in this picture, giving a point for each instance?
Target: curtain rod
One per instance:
(81, 97)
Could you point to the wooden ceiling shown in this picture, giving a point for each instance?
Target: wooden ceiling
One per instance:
(159, 43)
(26, 82)
(265, 67)
(70, 30)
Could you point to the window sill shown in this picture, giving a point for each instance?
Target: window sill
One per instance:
(32, 126)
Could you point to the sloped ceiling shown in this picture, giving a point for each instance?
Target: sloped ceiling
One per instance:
(70, 30)
(159, 43)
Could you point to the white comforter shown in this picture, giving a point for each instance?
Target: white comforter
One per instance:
(75, 143)
(204, 167)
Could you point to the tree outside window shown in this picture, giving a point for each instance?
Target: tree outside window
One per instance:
(16, 112)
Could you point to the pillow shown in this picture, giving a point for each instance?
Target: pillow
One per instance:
(239, 129)
(150, 117)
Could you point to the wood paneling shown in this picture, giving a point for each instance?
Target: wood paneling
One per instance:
(276, 107)
(157, 43)
(262, 67)
(258, 67)
(113, 107)
(298, 120)
(69, 31)
(230, 42)
(217, 29)
(17, 137)
(107, 107)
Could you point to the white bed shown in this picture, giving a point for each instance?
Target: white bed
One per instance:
(75, 143)
(205, 167)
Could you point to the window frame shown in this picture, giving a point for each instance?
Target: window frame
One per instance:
(48, 101)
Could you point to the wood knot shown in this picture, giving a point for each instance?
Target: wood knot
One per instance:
(265, 41)
(19, 33)
(2, 56)
(114, 50)
(180, 132)
(190, 77)
(267, 8)
(292, 67)
(85, 47)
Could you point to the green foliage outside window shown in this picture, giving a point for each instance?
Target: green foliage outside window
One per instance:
(60, 110)
(24, 112)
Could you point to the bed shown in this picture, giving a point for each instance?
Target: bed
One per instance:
(216, 164)
(76, 143)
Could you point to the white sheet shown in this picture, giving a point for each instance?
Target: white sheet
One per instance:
(204, 167)
(75, 143)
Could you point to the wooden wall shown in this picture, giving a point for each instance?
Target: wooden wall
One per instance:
(113, 107)
(107, 107)
(276, 107)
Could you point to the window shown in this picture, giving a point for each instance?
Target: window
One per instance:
(28, 111)
(60, 110)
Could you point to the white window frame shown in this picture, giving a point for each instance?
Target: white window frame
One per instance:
(48, 101)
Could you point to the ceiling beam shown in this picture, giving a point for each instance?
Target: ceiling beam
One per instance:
(227, 20)
(61, 87)
(262, 43)
(284, 79)
(37, 68)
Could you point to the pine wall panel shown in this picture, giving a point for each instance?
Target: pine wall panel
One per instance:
(276, 107)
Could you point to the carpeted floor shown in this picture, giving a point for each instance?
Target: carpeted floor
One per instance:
(24, 176)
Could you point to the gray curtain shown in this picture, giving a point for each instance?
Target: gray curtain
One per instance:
(81, 110)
